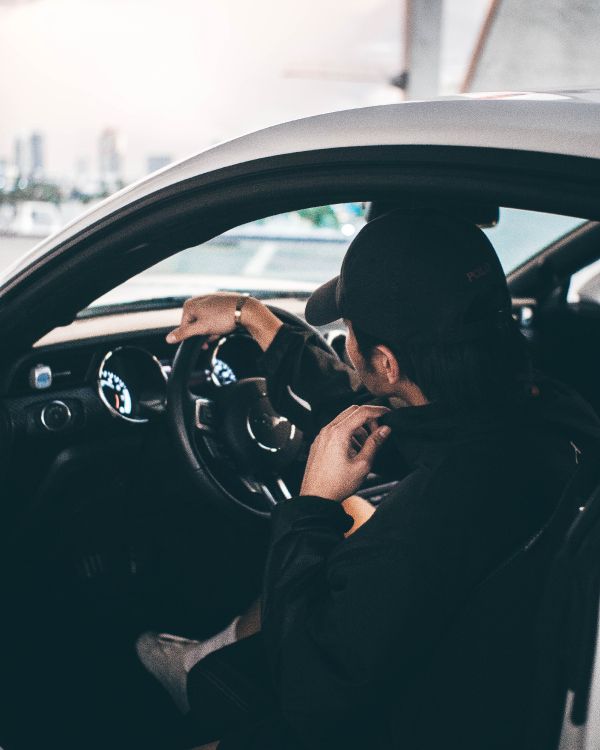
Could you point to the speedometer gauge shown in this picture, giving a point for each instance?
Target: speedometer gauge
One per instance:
(132, 384)
(116, 392)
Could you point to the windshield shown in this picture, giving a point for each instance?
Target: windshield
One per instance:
(289, 254)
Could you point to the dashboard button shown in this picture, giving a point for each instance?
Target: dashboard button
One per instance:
(56, 416)
(40, 377)
(205, 417)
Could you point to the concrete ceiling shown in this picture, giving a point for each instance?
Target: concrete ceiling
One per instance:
(539, 44)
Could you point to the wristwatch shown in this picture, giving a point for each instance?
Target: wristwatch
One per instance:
(238, 309)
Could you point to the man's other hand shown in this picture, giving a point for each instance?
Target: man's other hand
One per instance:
(343, 452)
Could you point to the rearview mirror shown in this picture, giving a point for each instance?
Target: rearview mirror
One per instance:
(483, 216)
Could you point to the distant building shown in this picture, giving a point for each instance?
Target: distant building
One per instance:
(111, 160)
(85, 181)
(19, 157)
(28, 162)
(36, 156)
(158, 162)
(81, 167)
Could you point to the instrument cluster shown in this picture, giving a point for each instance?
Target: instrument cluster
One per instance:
(132, 382)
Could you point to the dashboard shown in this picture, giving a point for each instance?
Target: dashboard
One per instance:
(87, 381)
(92, 394)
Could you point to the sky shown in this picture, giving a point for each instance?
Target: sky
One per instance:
(175, 76)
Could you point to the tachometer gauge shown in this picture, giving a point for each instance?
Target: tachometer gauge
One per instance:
(234, 358)
(116, 392)
(221, 373)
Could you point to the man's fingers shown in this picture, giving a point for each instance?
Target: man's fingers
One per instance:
(184, 332)
(360, 416)
(188, 319)
(372, 444)
(193, 302)
(358, 437)
(210, 340)
(342, 415)
(177, 335)
(370, 412)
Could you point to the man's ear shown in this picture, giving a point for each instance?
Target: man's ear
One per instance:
(386, 364)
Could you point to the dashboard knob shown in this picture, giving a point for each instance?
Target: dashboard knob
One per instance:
(56, 416)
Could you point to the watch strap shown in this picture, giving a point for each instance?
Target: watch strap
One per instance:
(238, 309)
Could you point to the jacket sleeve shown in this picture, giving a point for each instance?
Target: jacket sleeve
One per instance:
(307, 384)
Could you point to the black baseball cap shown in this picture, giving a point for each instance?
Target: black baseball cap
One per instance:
(418, 277)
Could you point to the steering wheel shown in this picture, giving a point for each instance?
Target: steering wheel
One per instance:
(234, 446)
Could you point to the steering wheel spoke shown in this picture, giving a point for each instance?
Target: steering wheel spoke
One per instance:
(275, 490)
(204, 414)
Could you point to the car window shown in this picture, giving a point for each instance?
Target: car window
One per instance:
(519, 234)
(291, 254)
(585, 284)
(284, 255)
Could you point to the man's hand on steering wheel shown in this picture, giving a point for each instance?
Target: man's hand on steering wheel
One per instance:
(238, 450)
(214, 315)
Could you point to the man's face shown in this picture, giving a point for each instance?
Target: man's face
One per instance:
(373, 380)
(382, 375)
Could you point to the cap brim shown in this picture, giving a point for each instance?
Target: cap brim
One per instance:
(322, 307)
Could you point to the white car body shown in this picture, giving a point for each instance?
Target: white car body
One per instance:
(565, 124)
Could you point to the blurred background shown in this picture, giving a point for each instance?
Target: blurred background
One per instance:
(98, 94)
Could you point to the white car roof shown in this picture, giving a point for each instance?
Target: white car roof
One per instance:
(565, 123)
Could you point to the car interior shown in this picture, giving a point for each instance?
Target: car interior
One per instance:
(129, 501)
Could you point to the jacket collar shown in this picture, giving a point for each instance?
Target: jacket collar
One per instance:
(423, 434)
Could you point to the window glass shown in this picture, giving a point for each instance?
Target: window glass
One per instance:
(521, 234)
(290, 254)
(585, 284)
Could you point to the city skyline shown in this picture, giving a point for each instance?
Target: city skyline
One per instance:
(176, 78)
(102, 171)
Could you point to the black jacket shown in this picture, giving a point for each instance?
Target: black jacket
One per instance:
(364, 635)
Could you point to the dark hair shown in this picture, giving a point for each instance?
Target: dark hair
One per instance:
(484, 372)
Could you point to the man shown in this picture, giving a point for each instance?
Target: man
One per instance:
(380, 638)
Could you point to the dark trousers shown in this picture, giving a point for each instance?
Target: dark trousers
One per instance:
(231, 693)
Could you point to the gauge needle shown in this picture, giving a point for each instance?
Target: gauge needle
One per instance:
(117, 400)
